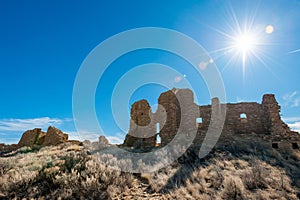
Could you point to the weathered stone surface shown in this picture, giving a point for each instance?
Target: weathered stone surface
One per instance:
(8, 148)
(54, 136)
(2, 148)
(31, 138)
(181, 113)
(37, 137)
(86, 142)
(273, 119)
(242, 119)
(142, 128)
(103, 141)
(75, 142)
(97, 145)
(169, 105)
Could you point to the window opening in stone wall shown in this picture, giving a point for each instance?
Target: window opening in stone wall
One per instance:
(275, 145)
(287, 157)
(243, 118)
(199, 121)
(295, 145)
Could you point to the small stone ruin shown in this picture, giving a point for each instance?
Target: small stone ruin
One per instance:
(37, 137)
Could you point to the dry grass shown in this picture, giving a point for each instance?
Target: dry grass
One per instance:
(70, 172)
(57, 173)
(224, 176)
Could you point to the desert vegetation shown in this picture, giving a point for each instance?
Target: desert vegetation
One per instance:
(64, 171)
(68, 171)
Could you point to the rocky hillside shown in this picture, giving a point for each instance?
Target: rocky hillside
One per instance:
(70, 171)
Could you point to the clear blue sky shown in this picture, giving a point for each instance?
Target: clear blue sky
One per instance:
(43, 44)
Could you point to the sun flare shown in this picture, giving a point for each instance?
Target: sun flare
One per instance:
(244, 43)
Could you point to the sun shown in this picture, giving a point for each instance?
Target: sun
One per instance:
(244, 43)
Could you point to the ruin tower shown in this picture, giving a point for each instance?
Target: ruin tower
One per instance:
(179, 107)
(169, 107)
(142, 128)
(189, 111)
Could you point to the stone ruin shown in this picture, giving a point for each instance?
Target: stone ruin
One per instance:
(242, 119)
(38, 138)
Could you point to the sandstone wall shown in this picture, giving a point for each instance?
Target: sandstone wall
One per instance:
(54, 136)
(179, 108)
(169, 107)
(272, 110)
(31, 137)
(37, 137)
(142, 128)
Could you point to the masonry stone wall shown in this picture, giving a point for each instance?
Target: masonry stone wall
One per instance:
(177, 109)
(142, 128)
(180, 110)
(169, 107)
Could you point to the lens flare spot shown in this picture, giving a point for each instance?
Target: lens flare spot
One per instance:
(203, 65)
(177, 79)
(269, 29)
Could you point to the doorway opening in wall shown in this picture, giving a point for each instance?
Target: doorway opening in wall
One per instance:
(158, 140)
(243, 118)
(199, 121)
